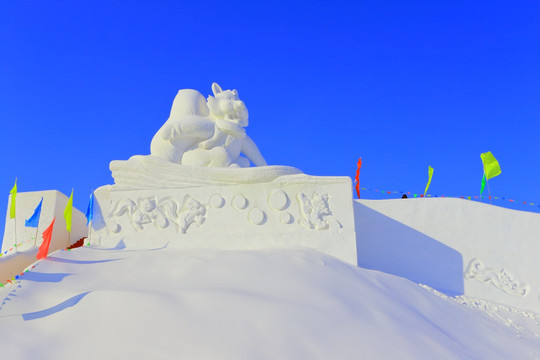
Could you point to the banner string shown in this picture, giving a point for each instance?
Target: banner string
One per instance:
(479, 198)
(15, 279)
(15, 246)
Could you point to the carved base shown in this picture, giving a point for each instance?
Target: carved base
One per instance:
(292, 210)
(151, 172)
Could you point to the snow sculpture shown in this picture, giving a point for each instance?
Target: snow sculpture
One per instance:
(198, 145)
(197, 189)
(207, 133)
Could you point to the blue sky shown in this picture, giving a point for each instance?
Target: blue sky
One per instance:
(403, 84)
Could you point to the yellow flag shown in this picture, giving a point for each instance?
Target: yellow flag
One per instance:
(68, 212)
(430, 171)
(491, 165)
(13, 193)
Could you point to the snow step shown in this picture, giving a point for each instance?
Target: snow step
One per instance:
(77, 244)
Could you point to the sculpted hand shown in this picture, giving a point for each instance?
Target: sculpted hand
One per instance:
(231, 128)
(208, 144)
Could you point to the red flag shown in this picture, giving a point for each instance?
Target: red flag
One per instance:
(357, 178)
(44, 248)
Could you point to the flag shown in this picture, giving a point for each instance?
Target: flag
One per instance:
(68, 211)
(90, 210)
(430, 172)
(13, 193)
(483, 184)
(491, 165)
(34, 219)
(44, 248)
(357, 178)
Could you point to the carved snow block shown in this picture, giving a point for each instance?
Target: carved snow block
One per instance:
(290, 211)
(54, 203)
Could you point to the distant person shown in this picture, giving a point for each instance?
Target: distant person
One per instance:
(404, 196)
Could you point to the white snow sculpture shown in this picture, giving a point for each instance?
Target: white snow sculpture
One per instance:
(211, 134)
(197, 189)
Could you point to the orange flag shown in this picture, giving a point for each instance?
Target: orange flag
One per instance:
(44, 248)
(357, 178)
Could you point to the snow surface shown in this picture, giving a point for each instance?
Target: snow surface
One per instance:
(171, 303)
(436, 241)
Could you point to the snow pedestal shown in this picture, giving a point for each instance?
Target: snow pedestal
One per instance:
(231, 209)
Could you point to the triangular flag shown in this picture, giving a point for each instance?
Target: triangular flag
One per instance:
(34, 219)
(13, 193)
(430, 172)
(491, 165)
(90, 210)
(68, 211)
(44, 248)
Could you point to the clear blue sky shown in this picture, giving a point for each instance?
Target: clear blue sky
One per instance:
(403, 84)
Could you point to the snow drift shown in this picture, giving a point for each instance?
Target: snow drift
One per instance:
(267, 304)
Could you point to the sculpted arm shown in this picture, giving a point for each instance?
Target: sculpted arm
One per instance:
(224, 127)
(231, 128)
(251, 151)
(189, 126)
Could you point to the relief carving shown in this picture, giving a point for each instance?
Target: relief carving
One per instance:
(160, 213)
(193, 212)
(502, 279)
(315, 211)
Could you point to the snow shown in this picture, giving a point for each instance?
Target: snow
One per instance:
(415, 294)
(54, 203)
(455, 246)
(299, 303)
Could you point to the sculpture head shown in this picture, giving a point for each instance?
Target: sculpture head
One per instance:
(226, 105)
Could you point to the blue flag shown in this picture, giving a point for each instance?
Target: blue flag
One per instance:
(34, 219)
(90, 211)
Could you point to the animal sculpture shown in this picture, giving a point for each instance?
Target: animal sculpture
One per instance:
(210, 133)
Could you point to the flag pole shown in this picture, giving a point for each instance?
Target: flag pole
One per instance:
(89, 231)
(489, 192)
(487, 183)
(15, 222)
(37, 230)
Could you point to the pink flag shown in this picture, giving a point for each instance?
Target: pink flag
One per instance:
(44, 248)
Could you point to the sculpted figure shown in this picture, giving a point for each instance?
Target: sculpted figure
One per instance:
(207, 133)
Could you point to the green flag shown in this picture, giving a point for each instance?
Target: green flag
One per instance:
(68, 212)
(430, 171)
(491, 165)
(13, 193)
(483, 184)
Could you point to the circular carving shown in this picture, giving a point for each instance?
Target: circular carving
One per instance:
(256, 216)
(286, 218)
(115, 227)
(240, 202)
(278, 200)
(217, 201)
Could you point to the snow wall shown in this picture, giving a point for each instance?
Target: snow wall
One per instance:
(455, 246)
(54, 203)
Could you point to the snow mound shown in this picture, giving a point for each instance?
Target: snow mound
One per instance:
(272, 304)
